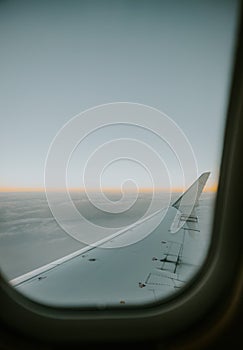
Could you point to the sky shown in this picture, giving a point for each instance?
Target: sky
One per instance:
(60, 58)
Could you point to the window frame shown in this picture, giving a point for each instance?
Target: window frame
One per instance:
(211, 293)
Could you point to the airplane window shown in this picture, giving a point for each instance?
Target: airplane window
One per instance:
(113, 118)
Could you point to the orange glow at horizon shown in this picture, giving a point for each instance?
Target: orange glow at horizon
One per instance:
(21, 189)
(211, 188)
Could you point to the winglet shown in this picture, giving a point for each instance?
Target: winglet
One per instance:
(190, 197)
(186, 204)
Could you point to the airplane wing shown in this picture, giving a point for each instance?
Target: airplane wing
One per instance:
(140, 273)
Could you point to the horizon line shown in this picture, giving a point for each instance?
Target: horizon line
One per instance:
(6, 189)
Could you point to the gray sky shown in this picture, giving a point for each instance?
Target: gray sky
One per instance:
(59, 58)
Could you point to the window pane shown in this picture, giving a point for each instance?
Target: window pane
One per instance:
(110, 111)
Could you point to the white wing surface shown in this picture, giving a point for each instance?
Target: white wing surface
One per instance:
(140, 273)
